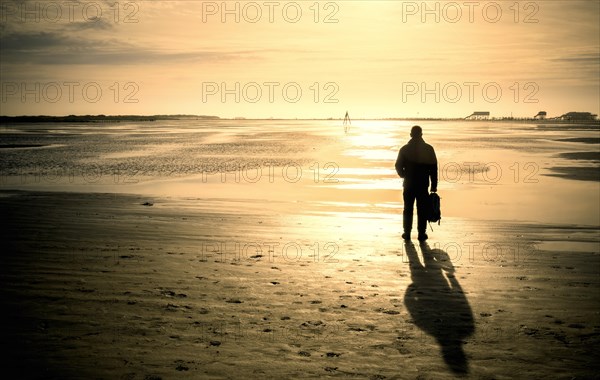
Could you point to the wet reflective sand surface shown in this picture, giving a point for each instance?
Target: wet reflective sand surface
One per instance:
(272, 249)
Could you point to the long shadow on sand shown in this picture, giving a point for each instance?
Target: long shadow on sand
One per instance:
(437, 304)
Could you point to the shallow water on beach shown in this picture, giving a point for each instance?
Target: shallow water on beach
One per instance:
(488, 170)
(261, 242)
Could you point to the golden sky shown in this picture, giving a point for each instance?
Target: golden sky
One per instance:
(300, 59)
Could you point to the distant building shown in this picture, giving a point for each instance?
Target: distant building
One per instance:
(478, 115)
(540, 115)
(578, 116)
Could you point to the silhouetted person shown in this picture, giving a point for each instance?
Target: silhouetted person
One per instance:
(347, 122)
(416, 163)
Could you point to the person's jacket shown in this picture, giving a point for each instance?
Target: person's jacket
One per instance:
(416, 163)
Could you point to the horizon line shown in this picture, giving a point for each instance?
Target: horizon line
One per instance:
(215, 117)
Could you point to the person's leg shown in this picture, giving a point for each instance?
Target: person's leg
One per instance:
(422, 205)
(409, 204)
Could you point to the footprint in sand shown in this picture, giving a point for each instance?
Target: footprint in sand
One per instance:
(152, 377)
(181, 365)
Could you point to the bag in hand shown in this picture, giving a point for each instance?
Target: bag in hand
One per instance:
(434, 213)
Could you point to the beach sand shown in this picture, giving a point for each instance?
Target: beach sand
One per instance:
(102, 286)
(192, 276)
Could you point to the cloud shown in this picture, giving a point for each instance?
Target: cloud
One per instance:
(582, 58)
(26, 42)
(54, 48)
(582, 65)
(101, 24)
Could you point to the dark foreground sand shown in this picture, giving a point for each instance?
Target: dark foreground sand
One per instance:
(101, 286)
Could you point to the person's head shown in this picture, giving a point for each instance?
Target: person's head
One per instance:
(416, 131)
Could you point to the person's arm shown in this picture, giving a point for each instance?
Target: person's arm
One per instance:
(434, 172)
(400, 164)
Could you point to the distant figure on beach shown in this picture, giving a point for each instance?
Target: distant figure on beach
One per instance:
(416, 163)
(347, 122)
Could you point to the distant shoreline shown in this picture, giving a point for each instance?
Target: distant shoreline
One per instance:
(150, 118)
(98, 118)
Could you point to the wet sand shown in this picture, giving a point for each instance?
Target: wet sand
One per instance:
(103, 286)
(159, 251)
